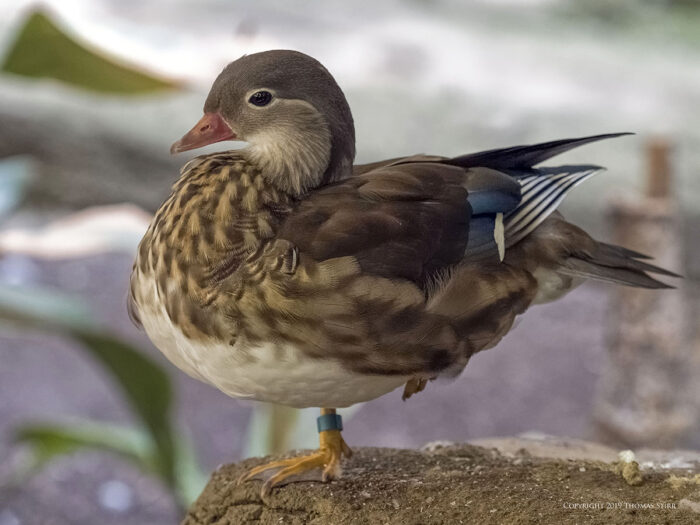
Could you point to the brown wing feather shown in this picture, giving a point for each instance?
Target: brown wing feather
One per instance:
(404, 221)
(361, 169)
(482, 300)
(411, 307)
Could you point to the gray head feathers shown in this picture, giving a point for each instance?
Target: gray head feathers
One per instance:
(305, 136)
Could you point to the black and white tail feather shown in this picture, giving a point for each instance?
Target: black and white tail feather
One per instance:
(495, 227)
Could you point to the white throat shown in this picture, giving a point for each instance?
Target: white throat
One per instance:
(295, 160)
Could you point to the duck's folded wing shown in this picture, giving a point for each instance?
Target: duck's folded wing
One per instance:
(494, 228)
(404, 228)
(361, 169)
(405, 221)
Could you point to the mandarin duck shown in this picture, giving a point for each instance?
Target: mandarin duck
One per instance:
(282, 272)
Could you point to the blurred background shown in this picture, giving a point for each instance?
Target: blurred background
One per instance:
(95, 426)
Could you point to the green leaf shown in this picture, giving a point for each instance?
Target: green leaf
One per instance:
(44, 50)
(143, 382)
(270, 428)
(146, 387)
(43, 308)
(49, 440)
(189, 478)
(15, 174)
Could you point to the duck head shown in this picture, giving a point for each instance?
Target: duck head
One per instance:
(290, 111)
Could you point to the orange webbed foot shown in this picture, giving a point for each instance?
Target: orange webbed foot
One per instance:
(321, 465)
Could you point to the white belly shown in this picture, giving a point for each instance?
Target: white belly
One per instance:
(277, 373)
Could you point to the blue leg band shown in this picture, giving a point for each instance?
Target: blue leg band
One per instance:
(329, 422)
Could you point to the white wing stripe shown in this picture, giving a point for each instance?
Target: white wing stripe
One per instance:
(539, 201)
(533, 199)
(540, 209)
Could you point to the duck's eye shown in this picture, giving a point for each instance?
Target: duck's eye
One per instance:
(260, 98)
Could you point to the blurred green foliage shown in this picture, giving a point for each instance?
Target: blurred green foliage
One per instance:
(276, 429)
(43, 50)
(677, 20)
(155, 446)
(15, 175)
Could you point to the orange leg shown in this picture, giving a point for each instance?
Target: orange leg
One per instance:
(327, 458)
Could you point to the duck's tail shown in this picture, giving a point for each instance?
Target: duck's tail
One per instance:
(540, 192)
(615, 264)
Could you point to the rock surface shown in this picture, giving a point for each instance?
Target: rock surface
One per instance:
(448, 483)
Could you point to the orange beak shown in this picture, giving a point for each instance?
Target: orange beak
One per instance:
(210, 129)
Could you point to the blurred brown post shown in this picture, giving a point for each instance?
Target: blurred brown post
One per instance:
(659, 176)
(643, 394)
